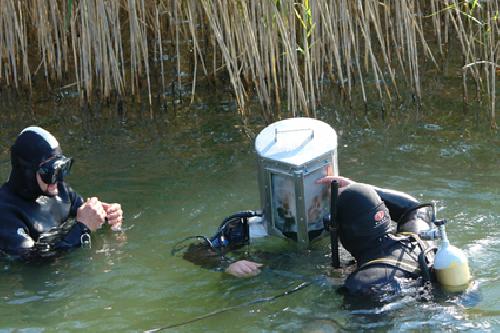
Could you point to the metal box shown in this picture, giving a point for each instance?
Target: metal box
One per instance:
(292, 155)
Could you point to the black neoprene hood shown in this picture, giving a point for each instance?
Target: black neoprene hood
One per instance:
(35, 145)
(362, 218)
(32, 146)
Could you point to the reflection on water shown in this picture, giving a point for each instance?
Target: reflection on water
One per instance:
(181, 173)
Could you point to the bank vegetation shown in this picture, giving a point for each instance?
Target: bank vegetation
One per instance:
(287, 55)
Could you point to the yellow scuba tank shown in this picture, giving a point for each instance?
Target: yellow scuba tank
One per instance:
(451, 264)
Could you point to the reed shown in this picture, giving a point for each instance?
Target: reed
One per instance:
(280, 52)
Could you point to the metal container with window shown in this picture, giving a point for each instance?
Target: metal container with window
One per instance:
(292, 155)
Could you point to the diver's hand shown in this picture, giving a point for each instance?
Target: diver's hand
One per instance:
(91, 213)
(343, 181)
(244, 268)
(114, 214)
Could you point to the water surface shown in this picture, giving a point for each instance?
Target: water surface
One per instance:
(183, 172)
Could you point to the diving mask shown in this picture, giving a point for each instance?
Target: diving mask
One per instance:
(55, 169)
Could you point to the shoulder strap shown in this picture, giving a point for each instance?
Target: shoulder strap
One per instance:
(418, 267)
(426, 255)
(406, 265)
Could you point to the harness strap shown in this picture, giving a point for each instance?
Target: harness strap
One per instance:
(404, 265)
(422, 257)
(419, 267)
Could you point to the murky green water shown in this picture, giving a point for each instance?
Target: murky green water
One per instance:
(180, 174)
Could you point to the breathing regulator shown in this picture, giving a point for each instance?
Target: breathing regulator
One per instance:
(234, 231)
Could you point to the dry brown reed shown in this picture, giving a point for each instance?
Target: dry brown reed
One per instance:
(282, 52)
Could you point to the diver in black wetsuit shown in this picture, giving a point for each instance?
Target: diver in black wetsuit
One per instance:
(384, 260)
(39, 212)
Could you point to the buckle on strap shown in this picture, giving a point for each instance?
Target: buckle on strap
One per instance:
(85, 241)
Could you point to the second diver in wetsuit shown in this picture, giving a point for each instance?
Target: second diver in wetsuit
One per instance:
(39, 213)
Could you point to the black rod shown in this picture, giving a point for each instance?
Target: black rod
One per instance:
(334, 242)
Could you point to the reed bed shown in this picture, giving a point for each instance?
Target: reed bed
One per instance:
(288, 55)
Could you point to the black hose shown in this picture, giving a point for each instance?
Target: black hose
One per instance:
(216, 312)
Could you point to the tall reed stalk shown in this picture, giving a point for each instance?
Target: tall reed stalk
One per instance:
(281, 52)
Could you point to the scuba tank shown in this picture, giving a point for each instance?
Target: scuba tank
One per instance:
(450, 263)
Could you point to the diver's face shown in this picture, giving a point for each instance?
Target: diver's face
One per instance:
(47, 189)
(52, 171)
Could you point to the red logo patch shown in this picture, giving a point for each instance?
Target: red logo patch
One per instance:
(379, 215)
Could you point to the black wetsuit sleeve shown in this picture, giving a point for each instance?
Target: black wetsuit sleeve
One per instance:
(402, 208)
(76, 201)
(202, 255)
(73, 237)
(14, 234)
